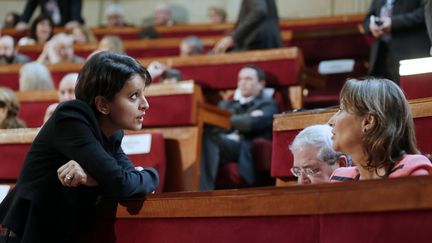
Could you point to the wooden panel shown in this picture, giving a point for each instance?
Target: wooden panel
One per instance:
(363, 196)
(299, 120)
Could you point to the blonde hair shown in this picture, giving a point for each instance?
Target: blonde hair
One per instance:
(9, 101)
(35, 76)
(392, 134)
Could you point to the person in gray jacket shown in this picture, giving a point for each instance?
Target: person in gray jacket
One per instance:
(257, 27)
(252, 117)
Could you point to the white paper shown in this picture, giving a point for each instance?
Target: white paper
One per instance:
(4, 189)
(136, 144)
(336, 66)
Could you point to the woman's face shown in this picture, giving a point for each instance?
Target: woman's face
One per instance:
(347, 131)
(127, 109)
(43, 31)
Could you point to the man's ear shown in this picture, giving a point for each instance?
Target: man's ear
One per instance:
(102, 105)
(342, 161)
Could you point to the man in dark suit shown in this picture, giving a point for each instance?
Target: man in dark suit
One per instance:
(428, 18)
(400, 33)
(252, 117)
(257, 27)
(63, 12)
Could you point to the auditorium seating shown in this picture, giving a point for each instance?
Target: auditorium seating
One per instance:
(33, 105)
(286, 127)
(9, 74)
(283, 66)
(15, 143)
(141, 48)
(387, 210)
(180, 124)
(415, 77)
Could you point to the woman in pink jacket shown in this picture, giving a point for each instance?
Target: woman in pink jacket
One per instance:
(374, 125)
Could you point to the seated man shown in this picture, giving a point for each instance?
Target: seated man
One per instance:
(58, 50)
(314, 157)
(252, 118)
(9, 53)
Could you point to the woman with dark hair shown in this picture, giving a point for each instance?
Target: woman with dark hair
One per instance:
(374, 125)
(76, 159)
(41, 31)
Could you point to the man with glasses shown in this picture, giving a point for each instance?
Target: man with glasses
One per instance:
(314, 157)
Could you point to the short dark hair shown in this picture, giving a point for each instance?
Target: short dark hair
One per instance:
(36, 21)
(261, 74)
(105, 74)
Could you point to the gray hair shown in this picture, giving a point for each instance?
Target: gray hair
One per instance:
(196, 43)
(35, 76)
(114, 9)
(318, 136)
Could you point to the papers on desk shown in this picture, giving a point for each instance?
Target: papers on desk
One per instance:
(136, 144)
(4, 189)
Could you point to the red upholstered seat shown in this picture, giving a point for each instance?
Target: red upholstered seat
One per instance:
(282, 159)
(229, 176)
(156, 158)
(13, 155)
(417, 86)
(32, 113)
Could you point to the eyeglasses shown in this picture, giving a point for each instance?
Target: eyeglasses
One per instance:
(307, 171)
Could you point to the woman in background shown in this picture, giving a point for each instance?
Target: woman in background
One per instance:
(9, 109)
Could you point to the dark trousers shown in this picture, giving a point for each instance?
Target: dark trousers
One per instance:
(386, 65)
(218, 149)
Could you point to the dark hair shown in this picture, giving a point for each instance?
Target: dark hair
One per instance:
(259, 71)
(34, 24)
(105, 74)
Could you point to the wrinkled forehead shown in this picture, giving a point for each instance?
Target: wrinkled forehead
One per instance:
(306, 156)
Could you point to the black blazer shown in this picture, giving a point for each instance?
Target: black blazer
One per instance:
(40, 208)
(257, 26)
(70, 10)
(428, 17)
(252, 126)
(409, 38)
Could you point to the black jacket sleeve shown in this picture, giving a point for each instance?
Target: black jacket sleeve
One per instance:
(77, 139)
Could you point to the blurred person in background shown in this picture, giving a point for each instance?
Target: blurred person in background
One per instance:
(41, 31)
(10, 20)
(66, 91)
(190, 46)
(35, 76)
(9, 53)
(9, 109)
(216, 15)
(58, 50)
(65, 13)
(257, 27)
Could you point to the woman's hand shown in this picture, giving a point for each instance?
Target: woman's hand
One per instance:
(223, 45)
(72, 174)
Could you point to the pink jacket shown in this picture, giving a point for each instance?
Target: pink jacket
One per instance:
(410, 165)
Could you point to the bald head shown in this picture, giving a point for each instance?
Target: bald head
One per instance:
(7, 47)
(67, 87)
(162, 14)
